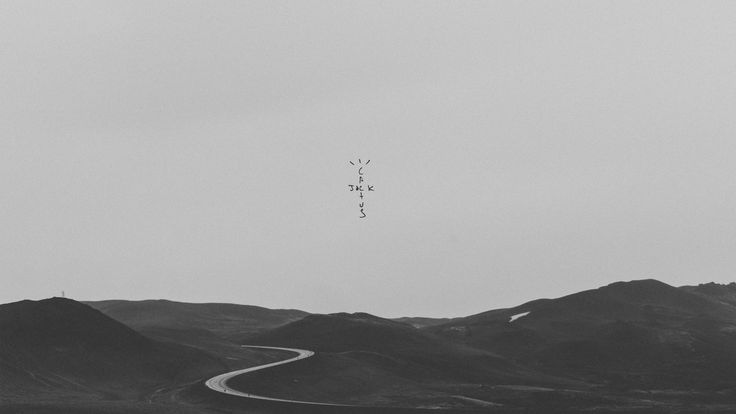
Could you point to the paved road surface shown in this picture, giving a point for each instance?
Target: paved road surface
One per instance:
(219, 383)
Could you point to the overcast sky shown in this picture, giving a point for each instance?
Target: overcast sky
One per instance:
(199, 151)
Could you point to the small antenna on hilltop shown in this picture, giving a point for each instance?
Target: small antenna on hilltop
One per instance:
(62, 294)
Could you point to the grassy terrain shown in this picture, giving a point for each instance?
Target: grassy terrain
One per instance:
(631, 346)
(640, 346)
(177, 321)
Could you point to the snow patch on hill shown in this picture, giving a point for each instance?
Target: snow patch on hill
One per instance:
(517, 316)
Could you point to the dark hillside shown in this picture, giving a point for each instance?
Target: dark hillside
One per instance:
(57, 345)
(628, 334)
(176, 320)
(63, 322)
(377, 339)
(364, 359)
(342, 332)
(725, 294)
(419, 322)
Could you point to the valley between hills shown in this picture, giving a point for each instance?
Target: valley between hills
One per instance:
(638, 346)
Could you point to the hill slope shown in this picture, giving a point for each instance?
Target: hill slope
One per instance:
(58, 347)
(176, 320)
(639, 334)
(639, 346)
(364, 359)
(342, 331)
(725, 294)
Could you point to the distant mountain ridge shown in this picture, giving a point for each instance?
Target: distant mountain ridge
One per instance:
(636, 345)
(163, 318)
(422, 322)
(341, 332)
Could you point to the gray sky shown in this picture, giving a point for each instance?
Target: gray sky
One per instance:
(198, 151)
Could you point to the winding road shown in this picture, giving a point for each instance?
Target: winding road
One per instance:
(219, 382)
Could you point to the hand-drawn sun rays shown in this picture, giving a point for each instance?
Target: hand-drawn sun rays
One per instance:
(360, 162)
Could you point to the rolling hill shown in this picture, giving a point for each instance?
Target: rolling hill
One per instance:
(726, 294)
(224, 320)
(368, 360)
(627, 335)
(58, 345)
(638, 346)
(210, 327)
(420, 322)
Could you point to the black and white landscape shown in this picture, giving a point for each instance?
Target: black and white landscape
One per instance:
(637, 346)
(367, 206)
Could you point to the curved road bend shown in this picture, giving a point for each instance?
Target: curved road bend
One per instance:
(219, 383)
